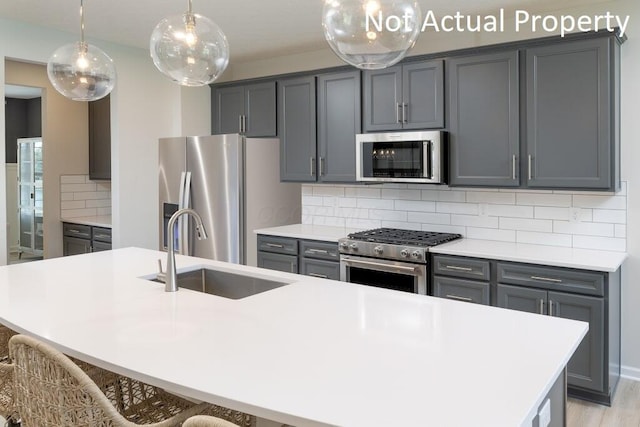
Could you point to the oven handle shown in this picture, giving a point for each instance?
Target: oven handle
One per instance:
(380, 266)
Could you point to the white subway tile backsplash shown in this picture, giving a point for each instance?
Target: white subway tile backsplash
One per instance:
(79, 196)
(73, 179)
(72, 205)
(526, 224)
(549, 239)
(76, 188)
(103, 211)
(583, 228)
(490, 234)
(98, 203)
(559, 218)
(93, 195)
(77, 213)
(600, 243)
(408, 205)
(610, 216)
(495, 198)
(535, 199)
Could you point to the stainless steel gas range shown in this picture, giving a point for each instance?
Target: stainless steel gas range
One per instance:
(389, 258)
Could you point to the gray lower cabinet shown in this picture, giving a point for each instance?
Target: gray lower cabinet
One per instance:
(249, 109)
(461, 279)
(308, 257)
(297, 129)
(484, 117)
(82, 239)
(591, 297)
(572, 102)
(339, 120)
(409, 96)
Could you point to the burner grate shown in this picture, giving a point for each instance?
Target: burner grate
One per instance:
(398, 236)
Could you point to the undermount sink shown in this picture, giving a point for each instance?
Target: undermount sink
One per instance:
(224, 284)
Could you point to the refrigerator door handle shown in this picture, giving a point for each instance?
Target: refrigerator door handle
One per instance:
(185, 249)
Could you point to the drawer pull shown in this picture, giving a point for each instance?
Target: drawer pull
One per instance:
(74, 231)
(319, 251)
(546, 279)
(541, 306)
(550, 307)
(321, 276)
(102, 236)
(455, 267)
(459, 298)
(274, 245)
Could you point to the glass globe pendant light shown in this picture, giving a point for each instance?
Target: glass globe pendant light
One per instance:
(371, 34)
(190, 49)
(80, 71)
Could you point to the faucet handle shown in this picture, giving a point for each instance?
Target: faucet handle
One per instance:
(161, 276)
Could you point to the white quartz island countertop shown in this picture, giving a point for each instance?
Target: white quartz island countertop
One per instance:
(314, 352)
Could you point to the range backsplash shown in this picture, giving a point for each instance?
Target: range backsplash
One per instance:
(79, 196)
(589, 220)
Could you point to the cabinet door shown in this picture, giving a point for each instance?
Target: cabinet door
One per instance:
(297, 129)
(100, 138)
(423, 95)
(260, 109)
(484, 120)
(522, 299)
(74, 246)
(382, 98)
(568, 115)
(279, 262)
(100, 246)
(586, 367)
(227, 108)
(339, 120)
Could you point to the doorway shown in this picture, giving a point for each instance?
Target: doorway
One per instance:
(23, 153)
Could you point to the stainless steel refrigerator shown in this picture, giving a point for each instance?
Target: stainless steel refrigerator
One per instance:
(234, 184)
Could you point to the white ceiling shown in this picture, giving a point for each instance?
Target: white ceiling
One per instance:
(255, 28)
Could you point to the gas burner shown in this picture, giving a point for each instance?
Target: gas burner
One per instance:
(396, 236)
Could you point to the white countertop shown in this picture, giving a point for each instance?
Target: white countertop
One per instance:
(583, 259)
(97, 221)
(311, 232)
(315, 352)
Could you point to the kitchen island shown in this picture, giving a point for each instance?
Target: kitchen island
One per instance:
(313, 352)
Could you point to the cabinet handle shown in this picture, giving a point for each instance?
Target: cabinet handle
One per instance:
(454, 267)
(459, 298)
(274, 245)
(102, 236)
(317, 251)
(312, 160)
(513, 167)
(550, 307)
(321, 166)
(244, 124)
(240, 123)
(546, 279)
(541, 306)
(398, 107)
(404, 112)
(73, 231)
(530, 159)
(321, 276)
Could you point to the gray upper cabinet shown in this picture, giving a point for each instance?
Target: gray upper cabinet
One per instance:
(100, 139)
(409, 96)
(339, 120)
(297, 128)
(247, 109)
(571, 136)
(483, 120)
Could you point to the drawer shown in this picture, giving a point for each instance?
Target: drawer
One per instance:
(101, 234)
(280, 245)
(278, 262)
(461, 290)
(553, 278)
(319, 250)
(320, 268)
(76, 230)
(100, 246)
(468, 268)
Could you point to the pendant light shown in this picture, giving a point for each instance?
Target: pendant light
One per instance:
(80, 71)
(190, 49)
(371, 34)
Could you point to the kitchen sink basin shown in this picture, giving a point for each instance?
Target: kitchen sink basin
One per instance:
(224, 284)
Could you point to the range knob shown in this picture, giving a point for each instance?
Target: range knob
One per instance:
(404, 253)
(344, 245)
(416, 255)
(378, 250)
(353, 247)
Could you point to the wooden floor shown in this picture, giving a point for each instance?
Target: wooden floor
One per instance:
(624, 412)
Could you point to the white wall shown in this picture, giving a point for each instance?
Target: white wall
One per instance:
(630, 133)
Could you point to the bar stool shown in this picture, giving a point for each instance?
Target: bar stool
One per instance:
(6, 373)
(207, 421)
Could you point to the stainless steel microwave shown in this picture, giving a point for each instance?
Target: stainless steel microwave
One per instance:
(414, 157)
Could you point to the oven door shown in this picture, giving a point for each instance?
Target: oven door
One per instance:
(399, 276)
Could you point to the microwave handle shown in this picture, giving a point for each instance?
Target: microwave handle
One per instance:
(430, 160)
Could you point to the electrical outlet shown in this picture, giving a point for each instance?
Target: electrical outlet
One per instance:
(544, 415)
(574, 214)
(483, 209)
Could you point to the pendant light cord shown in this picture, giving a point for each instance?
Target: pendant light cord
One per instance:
(189, 11)
(82, 21)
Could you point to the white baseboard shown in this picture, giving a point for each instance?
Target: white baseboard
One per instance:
(630, 373)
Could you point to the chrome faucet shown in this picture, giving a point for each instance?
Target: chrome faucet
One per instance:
(171, 277)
